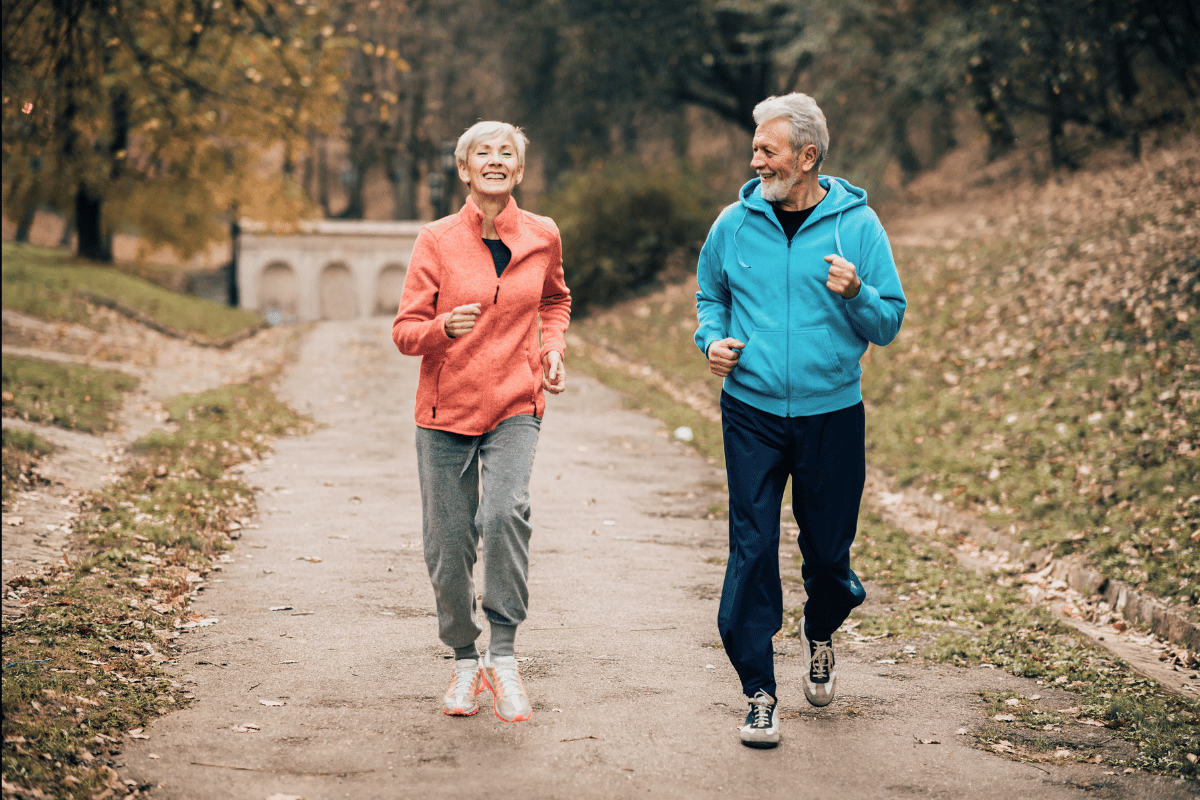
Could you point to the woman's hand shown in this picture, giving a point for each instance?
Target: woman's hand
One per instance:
(554, 373)
(462, 320)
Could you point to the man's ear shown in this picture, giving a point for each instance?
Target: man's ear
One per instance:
(808, 158)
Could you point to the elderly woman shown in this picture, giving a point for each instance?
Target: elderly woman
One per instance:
(485, 306)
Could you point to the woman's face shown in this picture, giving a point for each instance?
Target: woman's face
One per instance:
(491, 168)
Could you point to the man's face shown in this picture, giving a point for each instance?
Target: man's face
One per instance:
(774, 161)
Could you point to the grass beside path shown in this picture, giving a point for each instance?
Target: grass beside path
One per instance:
(21, 452)
(68, 396)
(82, 666)
(53, 285)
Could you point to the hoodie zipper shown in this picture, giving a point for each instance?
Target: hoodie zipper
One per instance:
(787, 339)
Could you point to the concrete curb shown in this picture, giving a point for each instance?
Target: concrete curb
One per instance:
(1142, 610)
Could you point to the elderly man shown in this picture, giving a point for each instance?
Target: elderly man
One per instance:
(795, 279)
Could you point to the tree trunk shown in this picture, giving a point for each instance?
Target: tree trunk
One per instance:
(323, 181)
(1001, 138)
(29, 207)
(910, 165)
(94, 243)
(235, 241)
(941, 130)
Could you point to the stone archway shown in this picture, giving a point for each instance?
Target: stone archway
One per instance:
(337, 292)
(278, 291)
(388, 289)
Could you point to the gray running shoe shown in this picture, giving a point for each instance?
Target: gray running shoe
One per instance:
(762, 723)
(820, 677)
(502, 679)
(464, 687)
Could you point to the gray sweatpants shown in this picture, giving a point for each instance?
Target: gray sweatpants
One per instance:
(475, 487)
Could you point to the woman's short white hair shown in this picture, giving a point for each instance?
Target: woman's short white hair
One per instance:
(806, 118)
(486, 131)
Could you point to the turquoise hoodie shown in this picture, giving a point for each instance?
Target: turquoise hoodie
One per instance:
(803, 341)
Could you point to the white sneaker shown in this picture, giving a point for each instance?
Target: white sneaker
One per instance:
(502, 679)
(464, 687)
(762, 723)
(820, 677)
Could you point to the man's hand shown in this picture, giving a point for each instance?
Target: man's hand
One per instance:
(843, 277)
(554, 373)
(462, 320)
(723, 356)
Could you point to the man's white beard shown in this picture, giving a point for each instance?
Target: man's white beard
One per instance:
(778, 190)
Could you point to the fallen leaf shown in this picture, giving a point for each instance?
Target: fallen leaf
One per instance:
(313, 559)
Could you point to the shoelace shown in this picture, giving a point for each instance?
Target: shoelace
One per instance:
(822, 662)
(510, 682)
(762, 713)
(463, 678)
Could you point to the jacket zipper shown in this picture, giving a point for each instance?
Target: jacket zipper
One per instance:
(787, 339)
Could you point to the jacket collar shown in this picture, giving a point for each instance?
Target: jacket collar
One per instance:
(508, 222)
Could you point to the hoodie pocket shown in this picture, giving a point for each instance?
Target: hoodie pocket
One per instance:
(814, 363)
(762, 365)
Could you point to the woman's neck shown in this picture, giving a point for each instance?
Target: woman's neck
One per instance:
(491, 208)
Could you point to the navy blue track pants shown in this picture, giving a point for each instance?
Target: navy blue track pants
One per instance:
(825, 456)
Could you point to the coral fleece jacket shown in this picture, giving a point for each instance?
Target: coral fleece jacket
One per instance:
(470, 384)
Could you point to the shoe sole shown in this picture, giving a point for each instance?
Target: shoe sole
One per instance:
(759, 744)
(460, 712)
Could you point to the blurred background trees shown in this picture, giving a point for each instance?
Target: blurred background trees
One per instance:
(169, 118)
(155, 115)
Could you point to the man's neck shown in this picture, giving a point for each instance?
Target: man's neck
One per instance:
(803, 195)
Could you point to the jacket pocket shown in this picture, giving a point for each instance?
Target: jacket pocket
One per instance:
(814, 363)
(762, 365)
(437, 386)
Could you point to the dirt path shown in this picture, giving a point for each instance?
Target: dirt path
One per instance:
(337, 693)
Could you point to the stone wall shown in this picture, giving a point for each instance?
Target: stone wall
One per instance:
(329, 269)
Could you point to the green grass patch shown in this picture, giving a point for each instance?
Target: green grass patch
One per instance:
(68, 396)
(52, 284)
(21, 452)
(83, 666)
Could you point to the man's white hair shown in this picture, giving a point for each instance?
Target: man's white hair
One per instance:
(486, 131)
(805, 117)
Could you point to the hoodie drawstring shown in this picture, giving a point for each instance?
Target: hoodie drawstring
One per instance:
(837, 235)
(737, 251)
